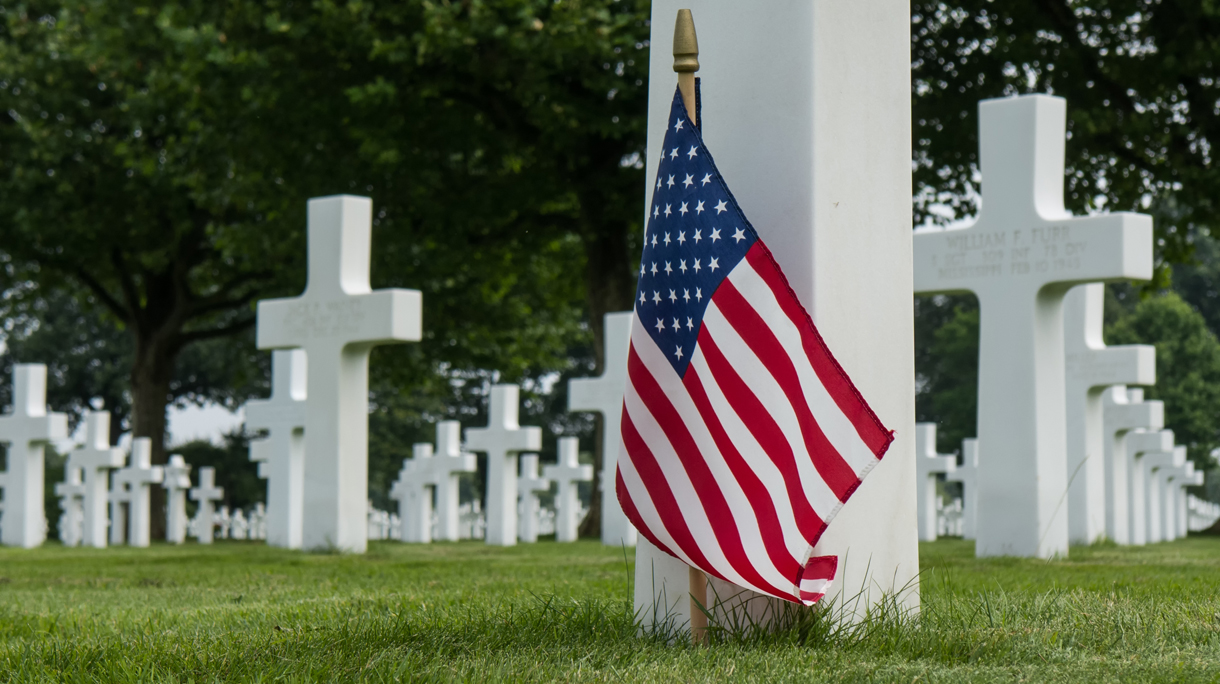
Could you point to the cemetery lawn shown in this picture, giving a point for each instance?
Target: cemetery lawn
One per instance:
(239, 611)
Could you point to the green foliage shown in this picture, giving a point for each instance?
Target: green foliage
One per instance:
(947, 367)
(1187, 368)
(240, 611)
(158, 156)
(1136, 75)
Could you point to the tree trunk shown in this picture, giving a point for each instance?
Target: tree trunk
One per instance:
(609, 286)
(151, 372)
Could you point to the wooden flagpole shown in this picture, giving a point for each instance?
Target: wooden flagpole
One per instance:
(686, 63)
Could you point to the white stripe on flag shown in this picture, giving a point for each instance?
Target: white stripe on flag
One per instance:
(837, 427)
(743, 360)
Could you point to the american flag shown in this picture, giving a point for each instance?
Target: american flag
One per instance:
(742, 437)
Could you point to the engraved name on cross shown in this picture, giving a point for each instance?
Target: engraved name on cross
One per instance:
(1091, 368)
(281, 454)
(1019, 258)
(337, 321)
(25, 431)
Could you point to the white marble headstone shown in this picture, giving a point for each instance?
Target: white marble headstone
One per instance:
(529, 484)
(1154, 489)
(118, 497)
(337, 321)
(412, 491)
(967, 475)
(1123, 410)
(176, 481)
(502, 440)
(448, 464)
(281, 454)
(818, 154)
(71, 493)
(604, 395)
(567, 473)
(929, 464)
(95, 459)
(1091, 368)
(135, 482)
(25, 431)
(1141, 443)
(206, 495)
(1019, 258)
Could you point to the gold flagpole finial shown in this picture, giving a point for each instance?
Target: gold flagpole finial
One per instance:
(686, 43)
(686, 59)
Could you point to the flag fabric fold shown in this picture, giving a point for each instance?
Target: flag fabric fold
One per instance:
(742, 437)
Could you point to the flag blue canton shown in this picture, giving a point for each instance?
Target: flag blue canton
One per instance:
(696, 235)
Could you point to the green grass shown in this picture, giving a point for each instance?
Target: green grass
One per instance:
(466, 612)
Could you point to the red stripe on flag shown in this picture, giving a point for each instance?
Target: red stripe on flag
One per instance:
(633, 514)
(707, 489)
(756, 492)
(817, 568)
(832, 375)
(760, 424)
(757, 335)
(662, 497)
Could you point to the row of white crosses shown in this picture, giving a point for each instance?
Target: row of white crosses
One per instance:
(1144, 479)
(504, 441)
(315, 453)
(1020, 258)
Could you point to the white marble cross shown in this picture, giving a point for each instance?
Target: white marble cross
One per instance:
(258, 521)
(95, 458)
(1123, 410)
(240, 527)
(1019, 258)
(566, 474)
(117, 497)
(26, 430)
(528, 487)
(411, 491)
(281, 454)
(1154, 489)
(967, 475)
(928, 464)
(206, 494)
(1091, 368)
(1171, 486)
(1141, 443)
(502, 440)
(136, 481)
(604, 395)
(71, 493)
(337, 321)
(445, 469)
(176, 481)
(1190, 478)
